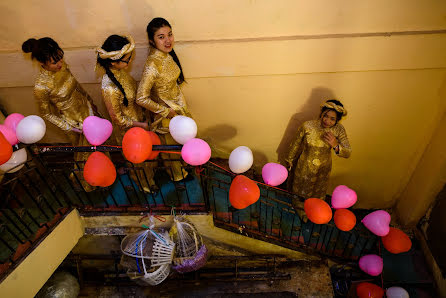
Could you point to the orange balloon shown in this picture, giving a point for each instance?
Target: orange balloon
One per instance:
(155, 141)
(136, 145)
(318, 211)
(99, 170)
(5, 149)
(369, 290)
(243, 192)
(396, 241)
(344, 219)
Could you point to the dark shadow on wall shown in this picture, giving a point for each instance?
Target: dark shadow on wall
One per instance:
(309, 111)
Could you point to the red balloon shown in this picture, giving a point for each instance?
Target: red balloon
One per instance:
(369, 290)
(396, 241)
(99, 170)
(155, 141)
(5, 149)
(243, 192)
(136, 145)
(318, 211)
(344, 219)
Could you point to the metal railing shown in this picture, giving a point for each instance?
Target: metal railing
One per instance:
(49, 185)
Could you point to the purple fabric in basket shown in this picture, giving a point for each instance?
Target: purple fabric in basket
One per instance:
(193, 264)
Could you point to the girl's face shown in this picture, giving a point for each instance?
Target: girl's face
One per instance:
(328, 119)
(52, 65)
(163, 39)
(123, 62)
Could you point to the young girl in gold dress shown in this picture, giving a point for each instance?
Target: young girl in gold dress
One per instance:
(311, 151)
(119, 92)
(61, 99)
(159, 90)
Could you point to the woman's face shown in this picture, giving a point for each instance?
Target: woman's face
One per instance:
(52, 65)
(123, 62)
(163, 39)
(328, 119)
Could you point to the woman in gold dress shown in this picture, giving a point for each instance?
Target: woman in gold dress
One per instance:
(159, 90)
(119, 92)
(310, 152)
(61, 99)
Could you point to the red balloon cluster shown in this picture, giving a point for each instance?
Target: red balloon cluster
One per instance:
(318, 211)
(369, 290)
(5, 149)
(243, 192)
(396, 241)
(136, 145)
(99, 170)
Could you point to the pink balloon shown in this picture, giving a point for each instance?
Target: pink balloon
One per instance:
(12, 120)
(371, 264)
(9, 134)
(274, 174)
(343, 197)
(196, 152)
(96, 130)
(377, 222)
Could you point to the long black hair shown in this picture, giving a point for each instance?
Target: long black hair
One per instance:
(338, 114)
(43, 49)
(113, 43)
(152, 27)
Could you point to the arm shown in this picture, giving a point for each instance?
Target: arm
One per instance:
(296, 147)
(344, 149)
(113, 102)
(42, 95)
(145, 86)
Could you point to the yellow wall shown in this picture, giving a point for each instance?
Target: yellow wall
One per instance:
(32, 273)
(257, 69)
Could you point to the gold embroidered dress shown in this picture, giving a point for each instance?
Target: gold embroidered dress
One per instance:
(158, 91)
(63, 102)
(123, 116)
(313, 155)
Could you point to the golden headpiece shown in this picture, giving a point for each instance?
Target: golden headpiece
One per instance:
(116, 55)
(337, 108)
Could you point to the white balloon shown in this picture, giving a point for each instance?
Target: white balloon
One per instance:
(15, 163)
(396, 292)
(182, 129)
(30, 129)
(241, 159)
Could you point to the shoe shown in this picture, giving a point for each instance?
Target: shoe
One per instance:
(188, 178)
(153, 189)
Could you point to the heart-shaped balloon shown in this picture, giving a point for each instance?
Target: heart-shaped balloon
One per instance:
(243, 192)
(318, 211)
(396, 241)
(13, 120)
(196, 152)
(274, 174)
(371, 264)
(9, 134)
(369, 290)
(343, 197)
(96, 130)
(5, 149)
(377, 222)
(99, 170)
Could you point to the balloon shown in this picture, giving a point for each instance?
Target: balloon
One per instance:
(182, 129)
(9, 134)
(377, 222)
(12, 120)
(136, 145)
(96, 130)
(318, 211)
(196, 152)
(371, 264)
(396, 292)
(241, 159)
(15, 163)
(5, 149)
(368, 290)
(274, 174)
(99, 170)
(31, 129)
(396, 241)
(155, 141)
(343, 197)
(243, 192)
(344, 219)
